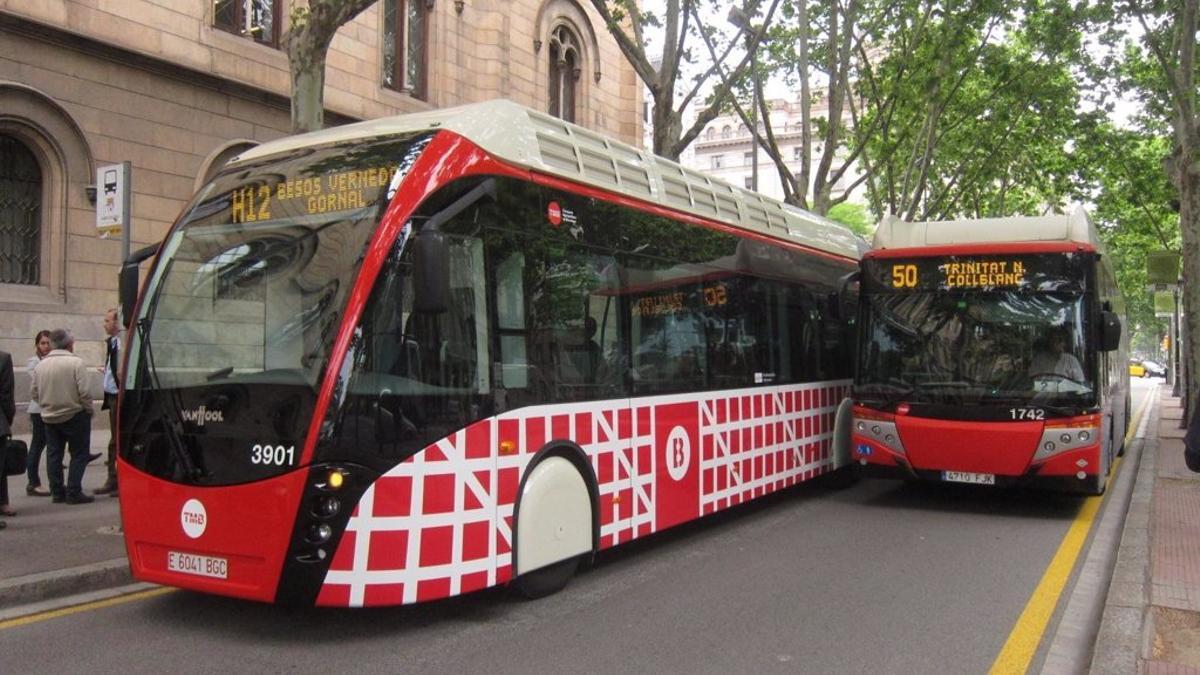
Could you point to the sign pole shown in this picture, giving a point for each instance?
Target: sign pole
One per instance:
(126, 209)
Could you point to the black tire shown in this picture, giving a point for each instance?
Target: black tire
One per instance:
(547, 580)
(1125, 431)
(842, 479)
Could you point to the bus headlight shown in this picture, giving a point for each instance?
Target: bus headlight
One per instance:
(327, 507)
(1061, 436)
(320, 533)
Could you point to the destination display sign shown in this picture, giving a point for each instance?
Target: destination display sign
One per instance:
(672, 302)
(1042, 272)
(313, 195)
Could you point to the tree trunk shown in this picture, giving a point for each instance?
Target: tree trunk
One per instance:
(1187, 176)
(308, 82)
(312, 30)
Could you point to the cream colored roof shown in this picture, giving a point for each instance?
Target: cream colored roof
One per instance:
(533, 140)
(1074, 227)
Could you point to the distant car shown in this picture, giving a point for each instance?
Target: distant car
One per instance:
(1137, 369)
(1154, 369)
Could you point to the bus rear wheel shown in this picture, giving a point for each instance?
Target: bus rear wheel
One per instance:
(842, 479)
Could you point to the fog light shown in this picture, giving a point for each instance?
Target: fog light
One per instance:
(1049, 446)
(1066, 438)
(876, 430)
(861, 426)
(336, 479)
(327, 507)
(1083, 435)
(320, 533)
(889, 438)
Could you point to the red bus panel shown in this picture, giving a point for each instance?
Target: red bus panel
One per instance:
(227, 540)
(1004, 448)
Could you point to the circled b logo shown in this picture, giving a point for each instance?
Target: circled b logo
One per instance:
(679, 453)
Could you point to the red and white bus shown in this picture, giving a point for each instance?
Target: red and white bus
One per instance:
(990, 352)
(414, 357)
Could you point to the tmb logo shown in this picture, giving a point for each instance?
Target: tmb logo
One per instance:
(202, 414)
(193, 518)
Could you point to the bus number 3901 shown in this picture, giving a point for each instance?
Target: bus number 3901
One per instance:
(276, 455)
(1027, 413)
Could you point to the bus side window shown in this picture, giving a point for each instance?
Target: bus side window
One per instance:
(510, 321)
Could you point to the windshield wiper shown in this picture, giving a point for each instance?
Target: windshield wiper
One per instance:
(894, 391)
(218, 374)
(171, 416)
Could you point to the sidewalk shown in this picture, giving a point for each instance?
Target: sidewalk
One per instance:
(50, 550)
(1151, 621)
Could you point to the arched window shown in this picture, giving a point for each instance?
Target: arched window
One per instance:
(565, 67)
(219, 158)
(743, 130)
(710, 134)
(726, 131)
(20, 213)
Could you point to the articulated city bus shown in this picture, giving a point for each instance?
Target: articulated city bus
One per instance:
(990, 352)
(414, 357)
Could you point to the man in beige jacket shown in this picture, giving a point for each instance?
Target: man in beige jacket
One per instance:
(60, 387)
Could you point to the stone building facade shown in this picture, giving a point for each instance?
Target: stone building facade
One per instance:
(177, 87)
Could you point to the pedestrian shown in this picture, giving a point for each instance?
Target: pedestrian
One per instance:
(1191, 442)
(112, 351)
(41, 345)
(60, 387)
(8, 412)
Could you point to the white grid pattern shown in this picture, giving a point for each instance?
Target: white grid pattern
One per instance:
(623, 441)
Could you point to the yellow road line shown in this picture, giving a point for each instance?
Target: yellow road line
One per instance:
(1027, 633)
(85, 607)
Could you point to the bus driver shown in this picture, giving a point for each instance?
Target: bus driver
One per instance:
(1056, 360)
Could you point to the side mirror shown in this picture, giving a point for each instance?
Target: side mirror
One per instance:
(431, 272)
(128, 281)
(1110, 331)
(845, 304)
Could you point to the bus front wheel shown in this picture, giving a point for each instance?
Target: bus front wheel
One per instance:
(553, 526)
(546, 581)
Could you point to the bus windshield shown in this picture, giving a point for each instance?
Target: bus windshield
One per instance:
(976, 348)
(252, 282)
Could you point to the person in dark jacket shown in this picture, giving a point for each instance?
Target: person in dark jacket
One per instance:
(1191, 443)
(8, 412)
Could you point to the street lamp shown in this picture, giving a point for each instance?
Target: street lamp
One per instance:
(738, 18)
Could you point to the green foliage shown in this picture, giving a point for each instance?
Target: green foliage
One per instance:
(853, 216)
(975, 110)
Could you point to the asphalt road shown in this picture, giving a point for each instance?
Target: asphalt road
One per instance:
(884, 577)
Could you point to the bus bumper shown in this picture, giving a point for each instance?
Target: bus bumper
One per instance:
(228, 540)
(1059, 474)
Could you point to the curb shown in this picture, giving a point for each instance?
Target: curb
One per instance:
(1119, 643)
(1077, 636)
(71, 581)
